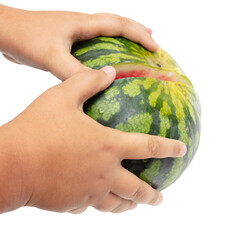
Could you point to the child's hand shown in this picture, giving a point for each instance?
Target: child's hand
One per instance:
(68, 161)
(43, 39)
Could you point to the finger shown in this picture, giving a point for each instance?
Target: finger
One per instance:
(141, 146)
(115, 204)
(125, 206)
(84, 85)
(113, 25)
(63, 65)
(149, 30)
(77, 210)
(129, 186)
(10, 59)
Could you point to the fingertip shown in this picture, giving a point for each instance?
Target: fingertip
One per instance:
(159, 200)
(183, 150)
(110, 71)
(155, 46)
(133, 206)
(149, 43)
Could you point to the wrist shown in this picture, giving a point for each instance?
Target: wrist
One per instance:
(13, 187)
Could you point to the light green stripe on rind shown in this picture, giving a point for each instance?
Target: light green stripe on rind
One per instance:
(137, 123)
(112, 58)
(165, 111)
(131, 89)
(151, 172)
(109, 39)
(98, 46)
(146, 83)
(179, 112)
(174, 173)
(153, 97)
(106, 108)
(111, 92)
(188, 95)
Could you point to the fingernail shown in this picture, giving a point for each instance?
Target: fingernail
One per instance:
(108, 70)
(183, 150)
(158, 201)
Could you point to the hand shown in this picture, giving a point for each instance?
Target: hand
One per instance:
(69, 161)
(43, 39)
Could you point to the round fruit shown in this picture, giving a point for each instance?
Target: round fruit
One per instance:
(151, 95)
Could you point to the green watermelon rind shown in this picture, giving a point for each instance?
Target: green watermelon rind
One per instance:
(115, 106)
(170, 109)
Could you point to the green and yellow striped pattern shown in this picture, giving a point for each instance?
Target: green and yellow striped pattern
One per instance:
(144, 104)
(101, 51)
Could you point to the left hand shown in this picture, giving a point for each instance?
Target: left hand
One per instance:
(43, 39)
(55, 157)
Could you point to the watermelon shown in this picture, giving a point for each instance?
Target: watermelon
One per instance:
(151, 94)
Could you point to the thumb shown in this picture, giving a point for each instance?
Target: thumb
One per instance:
(86, 84)
(63, 65)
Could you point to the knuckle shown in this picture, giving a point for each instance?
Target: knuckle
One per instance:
(138, 195)
(101, 18)
(108, 144)
(94, 77)
(153, 147)
(108, 147)
(101, 14)
(97, 76)
(123, 21)
(104, 207)
(120, 208)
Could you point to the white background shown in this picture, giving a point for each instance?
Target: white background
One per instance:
(203, 203)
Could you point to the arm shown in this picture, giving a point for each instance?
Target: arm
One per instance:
(43, 39)
(55, 157)
(12, 189)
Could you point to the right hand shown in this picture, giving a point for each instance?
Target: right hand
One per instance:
(43, 39)
(69, 161)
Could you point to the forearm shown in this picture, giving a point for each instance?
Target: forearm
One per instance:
(10, 27)
(5, 28)
(12, 189)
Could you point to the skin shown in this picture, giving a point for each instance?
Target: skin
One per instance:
(52, 155)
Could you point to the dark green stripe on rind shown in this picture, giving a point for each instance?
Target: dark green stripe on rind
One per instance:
(155, 107)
